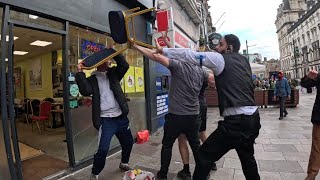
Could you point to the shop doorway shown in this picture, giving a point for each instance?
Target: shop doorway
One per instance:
(37, 77)
(33, 96)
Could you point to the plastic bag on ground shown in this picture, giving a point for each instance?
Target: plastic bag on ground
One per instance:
(138, 174)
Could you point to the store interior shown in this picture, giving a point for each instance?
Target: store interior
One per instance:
(37, 79)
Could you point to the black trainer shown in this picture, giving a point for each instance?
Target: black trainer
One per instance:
(159, 177)
(280, 118)
(184, 175)
(285, 114)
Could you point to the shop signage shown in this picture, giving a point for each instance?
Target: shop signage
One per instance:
(88, 48)
(161, 41)
(162, 20)
(178, 38)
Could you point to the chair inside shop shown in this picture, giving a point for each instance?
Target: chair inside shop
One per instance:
(43, 116)
(119, 22)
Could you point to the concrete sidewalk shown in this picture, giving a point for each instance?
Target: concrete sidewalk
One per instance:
(282, 149)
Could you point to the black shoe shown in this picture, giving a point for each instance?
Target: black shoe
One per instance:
(184, 175)
(214, 167)
(159, 177)
(285, 114)
(280, 118)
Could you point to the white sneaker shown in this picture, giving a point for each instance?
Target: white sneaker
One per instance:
(93, 177)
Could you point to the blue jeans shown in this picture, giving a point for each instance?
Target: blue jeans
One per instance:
(109, 127)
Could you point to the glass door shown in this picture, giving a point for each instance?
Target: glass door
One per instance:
(7, 167)
(33, 54)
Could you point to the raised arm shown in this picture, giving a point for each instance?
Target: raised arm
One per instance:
(211, 60)
(165, 39)
(151, 55)
(122, 65)
(84, 84)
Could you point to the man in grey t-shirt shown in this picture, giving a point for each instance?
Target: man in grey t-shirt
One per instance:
(185, 86)
(183, 116)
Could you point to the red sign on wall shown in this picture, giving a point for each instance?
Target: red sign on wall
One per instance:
(162, 20)
(161, 41)
(178, 38)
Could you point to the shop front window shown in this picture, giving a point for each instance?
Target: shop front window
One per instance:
(85, 136)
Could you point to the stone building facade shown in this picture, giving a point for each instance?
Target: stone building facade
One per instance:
(297, 29)
(191, 21)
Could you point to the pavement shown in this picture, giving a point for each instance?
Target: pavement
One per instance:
(281, 150)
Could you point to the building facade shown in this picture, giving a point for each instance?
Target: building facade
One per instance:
(304, 39)
(272, 66)
(292, 14)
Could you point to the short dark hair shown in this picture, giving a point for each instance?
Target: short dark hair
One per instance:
(233, 40)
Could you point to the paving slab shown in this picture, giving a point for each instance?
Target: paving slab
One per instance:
(281, 150)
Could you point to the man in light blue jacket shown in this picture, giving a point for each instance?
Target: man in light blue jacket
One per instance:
(282, 90)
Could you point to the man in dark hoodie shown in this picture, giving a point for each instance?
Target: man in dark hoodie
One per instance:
(309, 81)
(109, 110)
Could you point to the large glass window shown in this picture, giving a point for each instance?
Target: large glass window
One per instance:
(84, 42)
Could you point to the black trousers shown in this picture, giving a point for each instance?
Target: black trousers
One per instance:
(283, 109)
(235, 132)
(173, 127)
(203, 116)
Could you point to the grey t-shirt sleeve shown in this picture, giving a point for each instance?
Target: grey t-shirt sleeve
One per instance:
(173, 65)
(211, 60)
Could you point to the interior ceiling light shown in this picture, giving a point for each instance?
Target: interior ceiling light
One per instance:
(33, 16)
(21, 53)
(40, 43)
(7, 38)
(6, 59)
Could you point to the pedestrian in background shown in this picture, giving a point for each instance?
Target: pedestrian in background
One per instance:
(282, 91)
(309, 81)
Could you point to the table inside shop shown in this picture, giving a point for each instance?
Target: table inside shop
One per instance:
(57, 108)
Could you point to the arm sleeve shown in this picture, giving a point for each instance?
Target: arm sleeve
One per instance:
(288, 88)
(173, 65)
(211, 60)
(307, 82)
(84, 84)
(122, 65)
